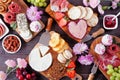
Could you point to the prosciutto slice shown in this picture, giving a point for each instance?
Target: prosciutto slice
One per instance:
(59, 5)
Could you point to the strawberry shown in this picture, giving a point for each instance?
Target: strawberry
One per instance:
(59, 15)
(71, 73)
(62, 22)
(71, 65)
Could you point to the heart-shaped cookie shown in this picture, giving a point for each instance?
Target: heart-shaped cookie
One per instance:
(78, 30)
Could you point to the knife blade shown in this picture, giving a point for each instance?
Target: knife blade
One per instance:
(45, 37)
(93, 71)
(94, 35)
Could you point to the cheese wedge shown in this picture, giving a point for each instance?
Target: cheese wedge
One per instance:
(43, 49)
(40, 63)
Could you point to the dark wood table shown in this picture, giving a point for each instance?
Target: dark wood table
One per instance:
(27, 47)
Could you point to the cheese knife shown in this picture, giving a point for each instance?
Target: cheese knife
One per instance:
(94, 35)
(45, 37)
(93, 71)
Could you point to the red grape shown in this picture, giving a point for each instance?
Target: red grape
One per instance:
(20, 77)
(28, 76)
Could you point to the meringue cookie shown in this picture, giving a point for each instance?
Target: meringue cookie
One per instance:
(100, 48)
(107, 40)
(67, 54)
(61, 58)
(35, 26)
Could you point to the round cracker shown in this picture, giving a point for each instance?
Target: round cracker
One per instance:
(83, 11)
(74, 13)
(93, 20)
(89, 13)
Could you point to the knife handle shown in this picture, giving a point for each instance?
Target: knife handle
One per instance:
(98, 32)
(91, 76)
(49, 24)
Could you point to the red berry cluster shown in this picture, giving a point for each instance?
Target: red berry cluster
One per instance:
(22, 74)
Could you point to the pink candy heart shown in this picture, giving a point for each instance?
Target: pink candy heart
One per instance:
(78, 30)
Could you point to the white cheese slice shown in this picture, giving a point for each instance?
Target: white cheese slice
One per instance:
(43, 49)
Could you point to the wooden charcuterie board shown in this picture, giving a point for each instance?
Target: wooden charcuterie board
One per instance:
(57, 70)
(24, 7)
(65, 28)
(96, 56)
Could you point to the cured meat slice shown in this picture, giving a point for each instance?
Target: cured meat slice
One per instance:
(77, 30)
(64, 6)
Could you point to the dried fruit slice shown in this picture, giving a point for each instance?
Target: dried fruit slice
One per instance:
(60, 45)
(55, 39)
(2, 29)
(65, 47)
(3, 8)
(59, 15)
(6, 1)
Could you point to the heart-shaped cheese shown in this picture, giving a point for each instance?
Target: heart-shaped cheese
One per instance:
(78, 30)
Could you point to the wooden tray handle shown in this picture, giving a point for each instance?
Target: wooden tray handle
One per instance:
(49, 24)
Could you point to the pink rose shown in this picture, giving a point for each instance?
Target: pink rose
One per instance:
(100, 10)
(114, 5)
(21, 63)
(3, 75)
(10, 63)
(85, 2)
(94, 3)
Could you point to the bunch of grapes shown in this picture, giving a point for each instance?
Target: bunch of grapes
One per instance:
(22, 74)
(38, 3)
(113, 72)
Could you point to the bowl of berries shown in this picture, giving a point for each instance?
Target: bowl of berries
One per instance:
(109, 23)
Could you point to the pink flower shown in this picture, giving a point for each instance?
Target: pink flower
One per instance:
(3, 75)
(100, 10)
(85, 2)
(10, 63)
(21, 63)
(86, 60)
(33, 14)
(94, 3)
(117, 1)
(80, 48)
(114, 5)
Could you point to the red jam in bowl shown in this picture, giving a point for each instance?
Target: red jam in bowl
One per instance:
(109, 22)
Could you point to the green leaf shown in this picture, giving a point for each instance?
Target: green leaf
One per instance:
(118, 4)
(13, 25)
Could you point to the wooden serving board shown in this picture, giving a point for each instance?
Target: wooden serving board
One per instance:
(65, 28)
(24, 7)
(56, 66)
(96, 56)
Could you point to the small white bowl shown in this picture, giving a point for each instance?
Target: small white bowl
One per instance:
(110, 28)
(6, 28)
(6, 49)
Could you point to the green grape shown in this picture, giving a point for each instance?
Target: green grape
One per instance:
(116, 69)
(37, 1)
(32, 1)
(119, 71)
(40, 4)
(112, 77)
(36, 4)
(118, 75)
(42, 0)
(109, 66)
(114, 74)
(117, 78)
(44, 4)
(110, 71)
(28, 0)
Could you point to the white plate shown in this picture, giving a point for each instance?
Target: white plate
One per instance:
(6, 28)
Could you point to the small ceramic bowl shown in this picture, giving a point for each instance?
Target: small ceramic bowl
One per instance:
(11, 43)
(107, 22)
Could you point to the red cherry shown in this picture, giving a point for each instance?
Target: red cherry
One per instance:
(24, 73)
(33, 74)
(21, 77)
(28, 76)
(18, 71)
